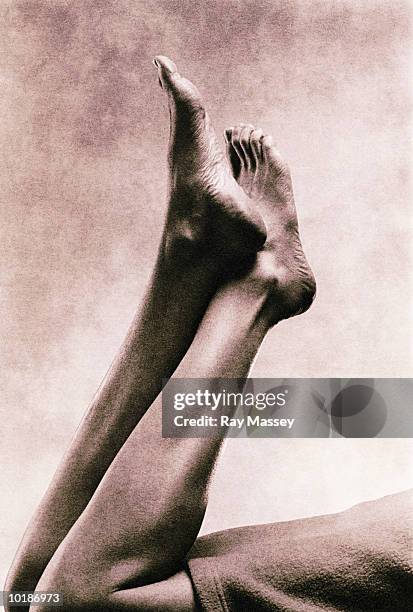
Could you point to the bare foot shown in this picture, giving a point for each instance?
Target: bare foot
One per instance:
(266, 179)
(207, 207)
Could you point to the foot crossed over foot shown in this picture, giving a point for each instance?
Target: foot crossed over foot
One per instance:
(229, 211)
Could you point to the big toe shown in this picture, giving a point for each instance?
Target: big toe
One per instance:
(181, 89)
(167, 70)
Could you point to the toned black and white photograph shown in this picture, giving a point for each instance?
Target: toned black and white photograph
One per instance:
(206, 317)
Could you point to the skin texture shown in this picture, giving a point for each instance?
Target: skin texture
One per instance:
(84, 134)
(185, 277)
(265, 177)
(121, 486)
(203, 193)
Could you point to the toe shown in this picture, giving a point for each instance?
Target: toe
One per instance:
(232, 154)
(256, 145)
(236, 136)
(267, 143)
(245, 143)
(182, 90)
(228, 135)
(165, 64)
(167, 70)
(272, 155)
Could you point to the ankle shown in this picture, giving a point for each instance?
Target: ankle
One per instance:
(286, 292)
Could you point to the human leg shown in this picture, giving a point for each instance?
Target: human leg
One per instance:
(209, 226)
(147, 511)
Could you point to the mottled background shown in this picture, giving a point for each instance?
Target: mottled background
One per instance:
(83, 182)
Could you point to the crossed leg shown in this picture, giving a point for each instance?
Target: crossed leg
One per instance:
(210, 229)
(122, 486)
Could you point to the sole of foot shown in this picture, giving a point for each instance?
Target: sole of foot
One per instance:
(265, 177)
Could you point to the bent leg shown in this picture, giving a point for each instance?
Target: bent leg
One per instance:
(147, 510)
(208, 222)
